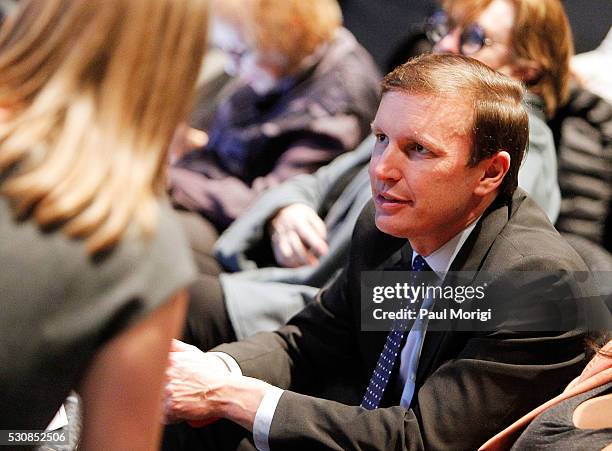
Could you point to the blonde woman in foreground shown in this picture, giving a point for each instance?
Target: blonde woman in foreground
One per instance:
(93, 264)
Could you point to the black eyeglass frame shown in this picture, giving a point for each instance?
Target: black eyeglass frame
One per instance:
(437, 26)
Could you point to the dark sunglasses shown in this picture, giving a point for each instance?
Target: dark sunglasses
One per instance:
(471, 40)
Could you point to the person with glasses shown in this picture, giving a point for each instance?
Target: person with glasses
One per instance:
(530, 41)
(304, 92)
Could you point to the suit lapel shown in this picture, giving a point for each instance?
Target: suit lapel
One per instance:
(470, 258)
(437, 345)
(372, 342)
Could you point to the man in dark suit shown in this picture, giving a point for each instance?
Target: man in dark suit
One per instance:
(450, 136)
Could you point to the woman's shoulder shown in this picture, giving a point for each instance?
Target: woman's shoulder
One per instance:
(58, 267)
(596, 411)
(555, 428)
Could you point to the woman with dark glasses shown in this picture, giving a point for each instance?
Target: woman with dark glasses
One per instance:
(472, 38)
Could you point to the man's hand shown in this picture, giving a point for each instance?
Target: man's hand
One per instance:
(192, 377)
(200, 387)
(299, 236)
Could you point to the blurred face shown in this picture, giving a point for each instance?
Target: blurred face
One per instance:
(493, 28)
(243, 61)
(422, 186)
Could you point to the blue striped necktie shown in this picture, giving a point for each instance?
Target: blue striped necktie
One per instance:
(382, 371)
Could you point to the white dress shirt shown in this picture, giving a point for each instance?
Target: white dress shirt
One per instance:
(440, 262)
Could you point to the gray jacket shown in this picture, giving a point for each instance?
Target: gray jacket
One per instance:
(538, 173)
(287, 290)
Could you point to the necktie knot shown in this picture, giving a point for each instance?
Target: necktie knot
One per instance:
(419, 264)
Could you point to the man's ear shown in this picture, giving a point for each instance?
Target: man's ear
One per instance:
(528, 71)
(495, 168)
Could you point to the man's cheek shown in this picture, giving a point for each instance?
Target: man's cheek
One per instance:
(371, 167)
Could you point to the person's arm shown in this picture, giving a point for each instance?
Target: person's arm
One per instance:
(458, 406)
(219, 200)
(201, 386)
(309, 190)
(222, 200)
(122, 388)
(303, 156)
(594, 413)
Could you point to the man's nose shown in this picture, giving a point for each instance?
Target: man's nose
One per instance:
(385, 166)
(449, 43)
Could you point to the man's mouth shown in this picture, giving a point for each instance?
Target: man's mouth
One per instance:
(387, 200)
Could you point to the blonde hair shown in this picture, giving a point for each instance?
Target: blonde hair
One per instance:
(541, 33)
(93, 91)
(292, 29)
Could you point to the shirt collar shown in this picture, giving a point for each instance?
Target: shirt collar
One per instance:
(441, 259)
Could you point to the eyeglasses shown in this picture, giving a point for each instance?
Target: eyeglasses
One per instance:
(472, 38)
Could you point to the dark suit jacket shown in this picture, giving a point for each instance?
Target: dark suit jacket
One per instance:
(469, 385)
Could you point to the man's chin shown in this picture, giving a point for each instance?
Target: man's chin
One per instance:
(390, 224)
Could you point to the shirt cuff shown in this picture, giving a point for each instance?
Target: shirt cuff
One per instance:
(263, 418)
(230, 362)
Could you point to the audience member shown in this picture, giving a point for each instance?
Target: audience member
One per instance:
(308, 221)
(305, 93)
(580, 418)
(93, 261)
(583, 133)
(450, 135)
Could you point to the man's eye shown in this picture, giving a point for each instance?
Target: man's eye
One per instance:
(381, 138)
(420, 149)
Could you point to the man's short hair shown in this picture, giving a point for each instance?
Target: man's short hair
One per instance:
(541, 33)
(499, 121)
